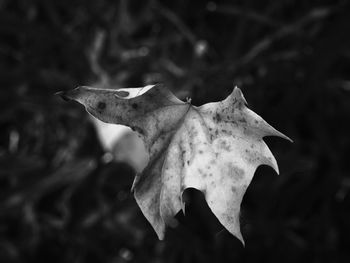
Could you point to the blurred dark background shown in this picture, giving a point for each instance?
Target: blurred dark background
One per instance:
(61, 200)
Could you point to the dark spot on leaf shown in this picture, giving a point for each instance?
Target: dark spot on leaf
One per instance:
(256, 121)
(239, 105)
(122, 93)
(218, 117)
(236, 173)
(200, 152)
(182, 156)
(234, 190)
(134, 106)
(101, 105)
(225, 146)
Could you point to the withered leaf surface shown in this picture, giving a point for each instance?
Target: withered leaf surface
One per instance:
(214, 148)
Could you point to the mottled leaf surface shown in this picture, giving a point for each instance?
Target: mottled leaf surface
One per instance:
(214, 148)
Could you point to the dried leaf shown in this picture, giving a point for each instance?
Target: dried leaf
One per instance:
(214, 148)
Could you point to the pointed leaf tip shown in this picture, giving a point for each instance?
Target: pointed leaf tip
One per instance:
(63, 95)
(238, 95)
(240, 238)
(160, 236)
(69, 95)
(281, 135)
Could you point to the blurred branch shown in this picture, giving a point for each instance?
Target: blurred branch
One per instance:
(94, 54)
(178, 23)
(172, 67)
(343, 84)
(248, 14)
(68, 174)
(314, 15)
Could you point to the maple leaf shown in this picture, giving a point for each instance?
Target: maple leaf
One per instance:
(214, 148)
